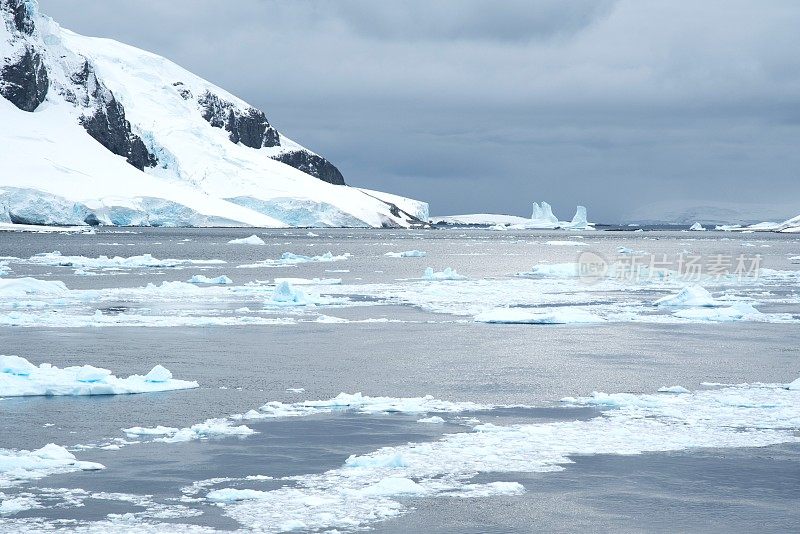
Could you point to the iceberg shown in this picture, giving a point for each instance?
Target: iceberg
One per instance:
(542, 218)
(285, 293)
(697, 227)
(24, 287)
(21, 378)
(252, 240)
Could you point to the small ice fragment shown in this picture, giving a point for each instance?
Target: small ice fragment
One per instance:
(252, 240)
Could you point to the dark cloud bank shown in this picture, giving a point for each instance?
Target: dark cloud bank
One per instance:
(487, 106)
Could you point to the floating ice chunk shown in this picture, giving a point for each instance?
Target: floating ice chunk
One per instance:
(447, 274)
(374, 460)
(151, 431)
(391, 486)
(407, 254)
(210, 428)
(490, 489)
(565, 243)
(498, 227)
(233, 495)
(563, 315)
(20, 465)
(673, 389)
(366, 404)
(312, 234)
(202, 279)
(14, 505)
(252, 240)
(553, 270)
(56, 259)
(434, 419)
(22, 287)
(794, 259)
(697, 227)
(158, 374)
(296, 390)
(285, 293)
(691, 296)
(310, 281)
(738, 312)
(20, 378)
(288, 258)
(794, 386)
(14, 365)
(579, 220)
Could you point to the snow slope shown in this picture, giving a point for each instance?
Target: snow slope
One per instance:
(102, 132)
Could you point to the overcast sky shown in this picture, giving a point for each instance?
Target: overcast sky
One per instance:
(485, 106)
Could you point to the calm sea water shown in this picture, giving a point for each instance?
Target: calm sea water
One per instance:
(242, 367)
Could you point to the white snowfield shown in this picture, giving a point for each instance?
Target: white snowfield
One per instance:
(52, 172)
(21, 378)
(370, 488)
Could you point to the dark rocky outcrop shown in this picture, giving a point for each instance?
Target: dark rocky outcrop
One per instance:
(250, 127)
(20, 15)
(111, 129)
(25, 82)
(312, 164)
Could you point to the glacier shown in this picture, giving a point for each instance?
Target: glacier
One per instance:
(97, 132)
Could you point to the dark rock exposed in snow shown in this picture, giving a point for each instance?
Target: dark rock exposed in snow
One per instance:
(24, 83)
(111, 129)
(312, 164)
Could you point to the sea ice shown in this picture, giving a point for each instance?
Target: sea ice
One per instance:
(252, 240)
(562, 315)
(20, 465)
(358, 493)
(202, 279)
(740, 311)
(407, 254)
(285, 293)
(20, 378)
(697, 227)
(673, 389)
(23, 287)
(56, 259)
(691, 296)
(447, 274)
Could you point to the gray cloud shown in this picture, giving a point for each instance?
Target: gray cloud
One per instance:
(486, 106)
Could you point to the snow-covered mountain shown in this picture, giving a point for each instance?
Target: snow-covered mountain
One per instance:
(93, 131)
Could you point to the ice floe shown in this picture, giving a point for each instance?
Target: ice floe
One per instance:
(21, 378)
(289, 258)
(373, 487)
(217, 280)
(562, 315)
(20, 465)
(407, 254)
(56, 259)
(697, 227)
(447, 274)
(691, 296)
(252, 240)
(12, 288)
(209, 429)
(739, 311)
